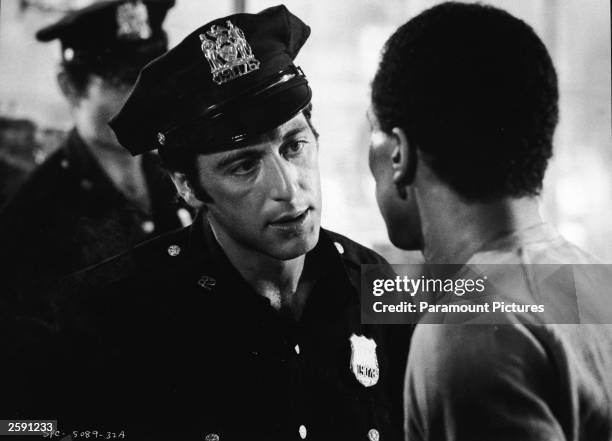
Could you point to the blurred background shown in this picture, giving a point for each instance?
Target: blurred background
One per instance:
(340, 59)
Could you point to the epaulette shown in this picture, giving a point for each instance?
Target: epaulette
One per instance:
(162, 253)
(36, 188)
(353, 253)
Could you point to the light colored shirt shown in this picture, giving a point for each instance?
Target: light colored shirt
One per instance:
(513, 381)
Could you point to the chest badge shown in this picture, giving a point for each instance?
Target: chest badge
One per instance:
(364, 363)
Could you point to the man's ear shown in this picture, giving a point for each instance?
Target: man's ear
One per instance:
(403, 159)
(184, 189)
(68, 90)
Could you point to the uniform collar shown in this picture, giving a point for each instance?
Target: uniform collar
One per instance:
(331, 292)
(92, 176)
(87, 170)
(85, 166)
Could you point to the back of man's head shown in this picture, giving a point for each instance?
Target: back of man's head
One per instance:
(476, 91)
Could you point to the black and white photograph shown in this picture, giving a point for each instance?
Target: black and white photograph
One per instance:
(306, 220)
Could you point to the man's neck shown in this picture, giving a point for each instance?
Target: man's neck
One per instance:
(284, 282)
(468, 227)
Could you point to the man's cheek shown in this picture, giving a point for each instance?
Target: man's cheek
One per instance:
(377, 162)
(371, 160)
(311, 186)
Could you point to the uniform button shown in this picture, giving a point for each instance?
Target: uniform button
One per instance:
(64, 163)
(302, 431)
(339, 247)
(174, 250)
(297, 349)
(40, 156)
(184, 216)
(68, 54)
(212, 437)
(148, 226)
(86, 185)
(373, 435)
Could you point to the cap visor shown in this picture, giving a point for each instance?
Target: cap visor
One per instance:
(245, 123)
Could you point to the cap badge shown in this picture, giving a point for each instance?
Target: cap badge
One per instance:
(133, 21)
(228, 53)
(364, 363)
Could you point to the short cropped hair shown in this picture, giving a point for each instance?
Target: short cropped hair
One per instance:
(476, 91)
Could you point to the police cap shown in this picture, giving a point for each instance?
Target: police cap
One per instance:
(117, 32)
(222, 86)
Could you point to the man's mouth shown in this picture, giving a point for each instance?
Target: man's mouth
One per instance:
(291, 220)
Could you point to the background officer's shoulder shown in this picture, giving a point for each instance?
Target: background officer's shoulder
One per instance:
(34, 213)
(144, 264)
(353, 253)
(41, 188)
(117, 294)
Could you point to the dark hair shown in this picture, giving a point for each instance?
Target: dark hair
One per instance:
(476, 92)
(115, 73)
(78, 74)
(184, 160)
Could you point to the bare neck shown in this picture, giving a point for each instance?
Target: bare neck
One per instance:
(280, 281)
(465, 228)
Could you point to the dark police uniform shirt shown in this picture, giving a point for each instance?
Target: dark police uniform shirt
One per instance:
(170, 341)
(69, 215)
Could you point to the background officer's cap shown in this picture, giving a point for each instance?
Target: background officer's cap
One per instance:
(224, 84)
(112, 32)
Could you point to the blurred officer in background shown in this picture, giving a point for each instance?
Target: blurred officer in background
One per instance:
(91, 200)
(464, 107)
(245, 325)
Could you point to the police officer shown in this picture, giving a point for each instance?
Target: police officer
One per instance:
(90, 200)
(245, 325)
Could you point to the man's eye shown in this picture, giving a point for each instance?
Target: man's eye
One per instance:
(294, 148)
(244, 167)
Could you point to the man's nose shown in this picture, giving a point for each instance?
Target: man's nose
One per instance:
(282, 179)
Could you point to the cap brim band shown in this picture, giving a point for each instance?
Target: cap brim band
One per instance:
(243, 124)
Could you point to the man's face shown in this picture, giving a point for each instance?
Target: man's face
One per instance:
(401, 215)
(267, 197)
(94, 109)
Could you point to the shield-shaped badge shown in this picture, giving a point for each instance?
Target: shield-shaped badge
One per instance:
(228, 52)
(364, 363)
(133, 21)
